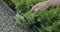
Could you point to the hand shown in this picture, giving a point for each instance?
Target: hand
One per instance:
(40, 6)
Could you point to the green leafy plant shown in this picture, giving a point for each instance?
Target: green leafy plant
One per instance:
(47, 20)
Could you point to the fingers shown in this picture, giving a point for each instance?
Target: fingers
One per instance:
(40, 6)
(36, 7)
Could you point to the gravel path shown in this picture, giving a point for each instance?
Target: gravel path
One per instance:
(7, 24)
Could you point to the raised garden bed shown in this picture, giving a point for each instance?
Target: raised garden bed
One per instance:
(47, 20)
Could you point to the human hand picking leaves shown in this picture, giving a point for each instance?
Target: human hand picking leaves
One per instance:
(45, 4)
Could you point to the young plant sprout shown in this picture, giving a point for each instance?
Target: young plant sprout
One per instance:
(42, 17)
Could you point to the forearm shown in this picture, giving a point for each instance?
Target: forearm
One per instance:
(45, 4)
(53, 2)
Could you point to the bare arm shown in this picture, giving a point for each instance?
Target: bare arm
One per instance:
(45, 4)
(53, 2)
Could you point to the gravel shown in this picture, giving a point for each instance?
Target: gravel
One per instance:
(7, 24)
